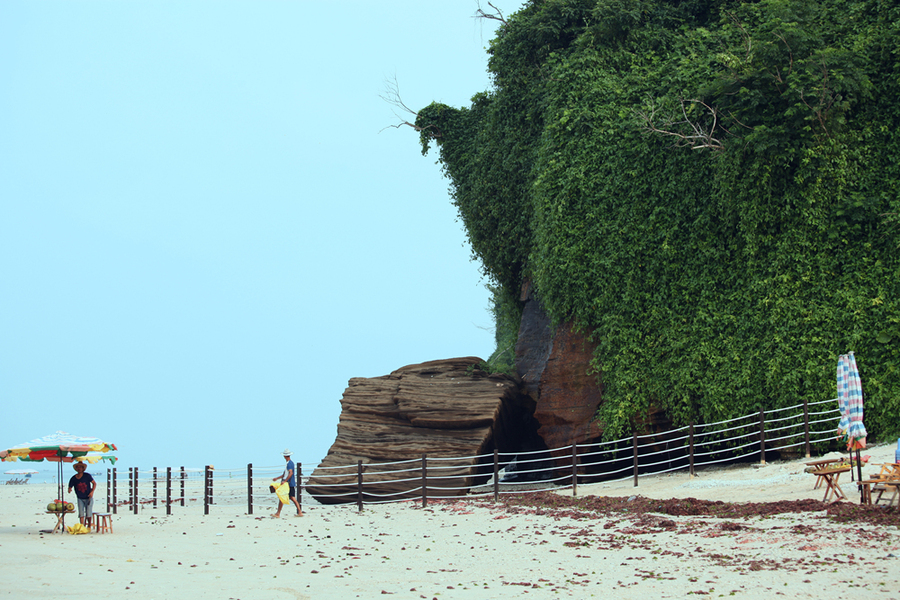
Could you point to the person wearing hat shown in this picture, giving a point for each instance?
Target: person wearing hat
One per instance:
(290, 477)
(84, 486)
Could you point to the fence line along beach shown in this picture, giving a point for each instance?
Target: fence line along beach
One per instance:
(472, 548)
(789, 431)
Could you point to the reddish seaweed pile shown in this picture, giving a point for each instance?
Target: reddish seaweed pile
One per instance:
(593, 507)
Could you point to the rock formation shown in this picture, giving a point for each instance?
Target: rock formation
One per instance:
(458, 415)
(554, 362)
(445, 409)
(569, 396)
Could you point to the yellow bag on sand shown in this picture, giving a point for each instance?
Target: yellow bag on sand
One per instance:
(282, 490)
(78, 528)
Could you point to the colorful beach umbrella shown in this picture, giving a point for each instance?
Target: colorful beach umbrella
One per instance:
(60, 447)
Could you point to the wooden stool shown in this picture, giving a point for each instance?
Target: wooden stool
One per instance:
(103, 522)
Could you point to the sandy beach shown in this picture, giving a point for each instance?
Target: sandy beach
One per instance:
(471, 549)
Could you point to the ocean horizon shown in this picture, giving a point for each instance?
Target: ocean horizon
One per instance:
(48, 472)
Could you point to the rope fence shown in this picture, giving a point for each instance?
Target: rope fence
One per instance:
(798, 428)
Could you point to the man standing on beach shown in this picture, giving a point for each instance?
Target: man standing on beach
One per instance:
(290, 477)
(84, 486)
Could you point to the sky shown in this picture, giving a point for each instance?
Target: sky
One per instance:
(208, 224)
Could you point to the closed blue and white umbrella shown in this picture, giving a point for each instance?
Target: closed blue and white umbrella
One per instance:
(850, 400)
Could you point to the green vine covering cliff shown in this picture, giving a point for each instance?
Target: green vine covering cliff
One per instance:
(708, 188)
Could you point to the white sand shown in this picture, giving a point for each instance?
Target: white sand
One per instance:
(465, 549)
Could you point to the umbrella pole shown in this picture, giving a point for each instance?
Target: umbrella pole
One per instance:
(859, 474)
(59, 490)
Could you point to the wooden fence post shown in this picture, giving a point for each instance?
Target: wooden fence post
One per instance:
(359, 494)
(168, 490)
(806, 426)
(155, 473)
(424, 481)
(249, 488)
(206, 490)
(635, 447)
(108, 488)
(691, 450)
(762, 437)
(496, 475)
(574, 470)
(299, 489)
(183, 475)
(137, 497)
(114, 508)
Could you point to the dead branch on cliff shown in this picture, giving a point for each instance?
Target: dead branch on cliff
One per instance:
(391, 95)
(497, 15)
(696, 133)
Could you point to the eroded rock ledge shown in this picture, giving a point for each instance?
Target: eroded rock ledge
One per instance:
(442, 408)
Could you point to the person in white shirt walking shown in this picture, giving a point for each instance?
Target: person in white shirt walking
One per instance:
(290, 477)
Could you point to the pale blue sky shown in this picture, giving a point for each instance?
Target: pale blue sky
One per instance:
(205, 229)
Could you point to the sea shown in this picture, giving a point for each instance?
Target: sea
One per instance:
(45, 475)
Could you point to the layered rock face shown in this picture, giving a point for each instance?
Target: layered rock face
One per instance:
(554, 363)
(458, 416)
(569, 397)
(443, 409)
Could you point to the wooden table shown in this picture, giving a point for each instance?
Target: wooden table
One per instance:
(60, 519)
(830, 475)
(819, 465)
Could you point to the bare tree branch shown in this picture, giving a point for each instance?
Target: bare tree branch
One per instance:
(790, 52)
(692, 133)
(744, 33)
(826, 100)
(391, 95)
(736, 120)
(497, 15)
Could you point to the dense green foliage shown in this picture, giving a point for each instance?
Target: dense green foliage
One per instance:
(507, 313)
(717, 280)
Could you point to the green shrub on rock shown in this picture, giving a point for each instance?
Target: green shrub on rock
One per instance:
(705, 187)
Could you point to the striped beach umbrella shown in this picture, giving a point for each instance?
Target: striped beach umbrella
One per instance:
(850, 400)
(60, 447)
